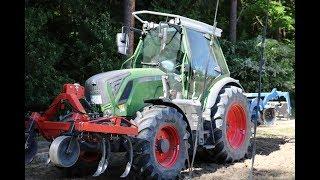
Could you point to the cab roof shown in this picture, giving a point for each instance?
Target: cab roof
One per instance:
(184, 21)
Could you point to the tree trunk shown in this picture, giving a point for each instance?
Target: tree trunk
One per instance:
(233, 21)
(279, 34)
(283, 33)
(129, 8)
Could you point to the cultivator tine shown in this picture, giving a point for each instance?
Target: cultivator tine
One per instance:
(103, 164)
(103, 159)
(48, 161)
(30, 146)
(108, 151)
(129, 154)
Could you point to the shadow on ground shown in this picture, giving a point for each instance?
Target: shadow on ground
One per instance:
(265, 146)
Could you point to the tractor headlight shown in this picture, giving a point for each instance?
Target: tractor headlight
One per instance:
(96, 99)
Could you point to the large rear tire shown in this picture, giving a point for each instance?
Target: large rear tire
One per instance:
(160, 149)
(232, 126)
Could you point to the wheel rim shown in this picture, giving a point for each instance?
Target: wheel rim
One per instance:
(167, 146)
(236, 126)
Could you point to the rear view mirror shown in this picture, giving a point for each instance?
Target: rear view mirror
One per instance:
(122, 43)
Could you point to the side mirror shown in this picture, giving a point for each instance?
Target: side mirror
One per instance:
(123, 43)
(167, 65)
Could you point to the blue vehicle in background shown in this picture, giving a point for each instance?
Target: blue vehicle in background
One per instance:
(271, 106)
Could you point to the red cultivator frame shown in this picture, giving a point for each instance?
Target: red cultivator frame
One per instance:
(77, 132)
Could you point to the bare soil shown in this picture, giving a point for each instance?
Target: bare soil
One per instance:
(275, 159)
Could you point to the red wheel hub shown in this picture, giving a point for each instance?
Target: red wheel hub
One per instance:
(236, 125)
(167, 146)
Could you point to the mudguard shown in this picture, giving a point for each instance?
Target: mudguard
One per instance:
(215, 89)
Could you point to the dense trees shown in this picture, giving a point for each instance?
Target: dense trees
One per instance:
(70, 40)
(66, 41)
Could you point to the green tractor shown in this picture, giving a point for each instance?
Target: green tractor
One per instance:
(177, 88)
(175, 99)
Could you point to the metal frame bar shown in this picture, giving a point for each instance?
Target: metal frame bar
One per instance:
(87, 127)
(274, 94)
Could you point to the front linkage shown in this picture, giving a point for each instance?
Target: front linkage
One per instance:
(77, 132)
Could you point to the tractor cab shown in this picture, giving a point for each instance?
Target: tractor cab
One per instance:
(187, 50)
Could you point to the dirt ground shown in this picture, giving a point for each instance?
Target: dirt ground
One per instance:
(275, 159)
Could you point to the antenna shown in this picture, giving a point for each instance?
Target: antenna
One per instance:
(259, 92)
(204, 89)
(215, 17)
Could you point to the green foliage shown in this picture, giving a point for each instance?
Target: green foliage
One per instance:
(42, 80)
(279, 17)
(278, 71)
(66, 41)
(71, 40)
(251, 18)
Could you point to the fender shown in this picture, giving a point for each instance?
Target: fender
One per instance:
(170, 104)
(215, 89)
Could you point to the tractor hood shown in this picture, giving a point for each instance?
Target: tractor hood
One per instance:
(113, 88)
(96, 86)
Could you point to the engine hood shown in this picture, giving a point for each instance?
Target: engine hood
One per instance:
(107, 88)
(96, 85)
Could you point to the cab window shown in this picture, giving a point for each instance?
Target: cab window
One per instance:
(201, 54)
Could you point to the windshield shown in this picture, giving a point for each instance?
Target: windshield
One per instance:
(157, 48)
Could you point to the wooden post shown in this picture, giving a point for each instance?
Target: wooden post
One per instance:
(233, 21)
(129, 8)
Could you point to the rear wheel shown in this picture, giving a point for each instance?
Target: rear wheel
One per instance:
(160, 149)
(232, 126)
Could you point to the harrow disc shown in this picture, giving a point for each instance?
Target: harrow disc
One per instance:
(64, 151)
(31, 147)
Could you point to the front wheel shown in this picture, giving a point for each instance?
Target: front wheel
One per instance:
(162, 144)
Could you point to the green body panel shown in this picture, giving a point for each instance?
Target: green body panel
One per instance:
(146, 84)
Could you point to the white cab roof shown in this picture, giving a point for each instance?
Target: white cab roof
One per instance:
(187, 22)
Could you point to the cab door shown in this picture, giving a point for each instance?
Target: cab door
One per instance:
(204, 67)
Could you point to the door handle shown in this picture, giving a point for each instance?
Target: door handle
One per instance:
(217, 69)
